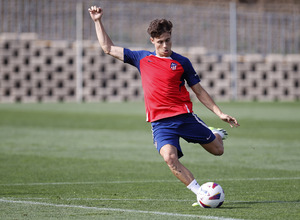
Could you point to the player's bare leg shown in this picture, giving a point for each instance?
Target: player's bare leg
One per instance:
(215, 147)
(169, 153)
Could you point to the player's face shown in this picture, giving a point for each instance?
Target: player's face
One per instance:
(162, 44)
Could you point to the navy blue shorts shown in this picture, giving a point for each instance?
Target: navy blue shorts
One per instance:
(187, 126)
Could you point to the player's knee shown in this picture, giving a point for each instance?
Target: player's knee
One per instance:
(219, 151)
(169, 154)
(170, 159)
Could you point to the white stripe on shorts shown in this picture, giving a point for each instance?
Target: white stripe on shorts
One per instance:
(198, 120)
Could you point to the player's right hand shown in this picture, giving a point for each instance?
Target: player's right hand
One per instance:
(96, 13)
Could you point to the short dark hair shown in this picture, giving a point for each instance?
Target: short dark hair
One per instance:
(159, 26)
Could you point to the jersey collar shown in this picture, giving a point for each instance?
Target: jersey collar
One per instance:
(170, 57)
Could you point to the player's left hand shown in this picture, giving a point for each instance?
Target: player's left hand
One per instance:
(229, 119)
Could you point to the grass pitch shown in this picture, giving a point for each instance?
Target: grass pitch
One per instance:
(97, 161)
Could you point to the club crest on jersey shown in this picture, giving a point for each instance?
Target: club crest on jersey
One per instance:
(173, 66)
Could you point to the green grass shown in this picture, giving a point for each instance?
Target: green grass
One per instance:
(97, 161)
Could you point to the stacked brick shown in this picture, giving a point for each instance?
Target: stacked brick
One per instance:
(108, 79)
(45, 71)
(35, 71)
(269, 78)
(259, 78)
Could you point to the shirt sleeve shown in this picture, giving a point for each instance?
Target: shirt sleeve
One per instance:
(134, 57)
(190, 75)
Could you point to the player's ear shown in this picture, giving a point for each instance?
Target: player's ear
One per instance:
(152, 40)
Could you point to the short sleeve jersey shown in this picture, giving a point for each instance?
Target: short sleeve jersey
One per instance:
(163, 81)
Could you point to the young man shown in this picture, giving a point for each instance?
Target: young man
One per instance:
(167, 101)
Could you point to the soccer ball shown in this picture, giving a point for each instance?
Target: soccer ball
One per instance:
(211, 195)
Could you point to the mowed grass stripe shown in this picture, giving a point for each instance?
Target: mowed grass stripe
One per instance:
(116, 210)
(145, 181)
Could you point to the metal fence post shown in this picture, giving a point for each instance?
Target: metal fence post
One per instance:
(79, 18)
(233, 50)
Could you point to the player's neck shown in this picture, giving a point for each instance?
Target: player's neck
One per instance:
(168, 57)
(164, 57)
(158, 55)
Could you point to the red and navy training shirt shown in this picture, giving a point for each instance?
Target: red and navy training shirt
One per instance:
(163, 81)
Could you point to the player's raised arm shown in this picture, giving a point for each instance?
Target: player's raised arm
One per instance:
(104, 40)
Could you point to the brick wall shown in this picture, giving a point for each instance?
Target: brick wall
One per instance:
(262, 78)
(32, 70)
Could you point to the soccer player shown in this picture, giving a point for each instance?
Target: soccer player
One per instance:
(167, 101)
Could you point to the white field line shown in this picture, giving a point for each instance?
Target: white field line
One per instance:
(115, 210)
(144, 200)
(146, 181)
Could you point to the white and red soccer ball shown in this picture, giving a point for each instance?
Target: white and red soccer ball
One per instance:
(211, 195)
